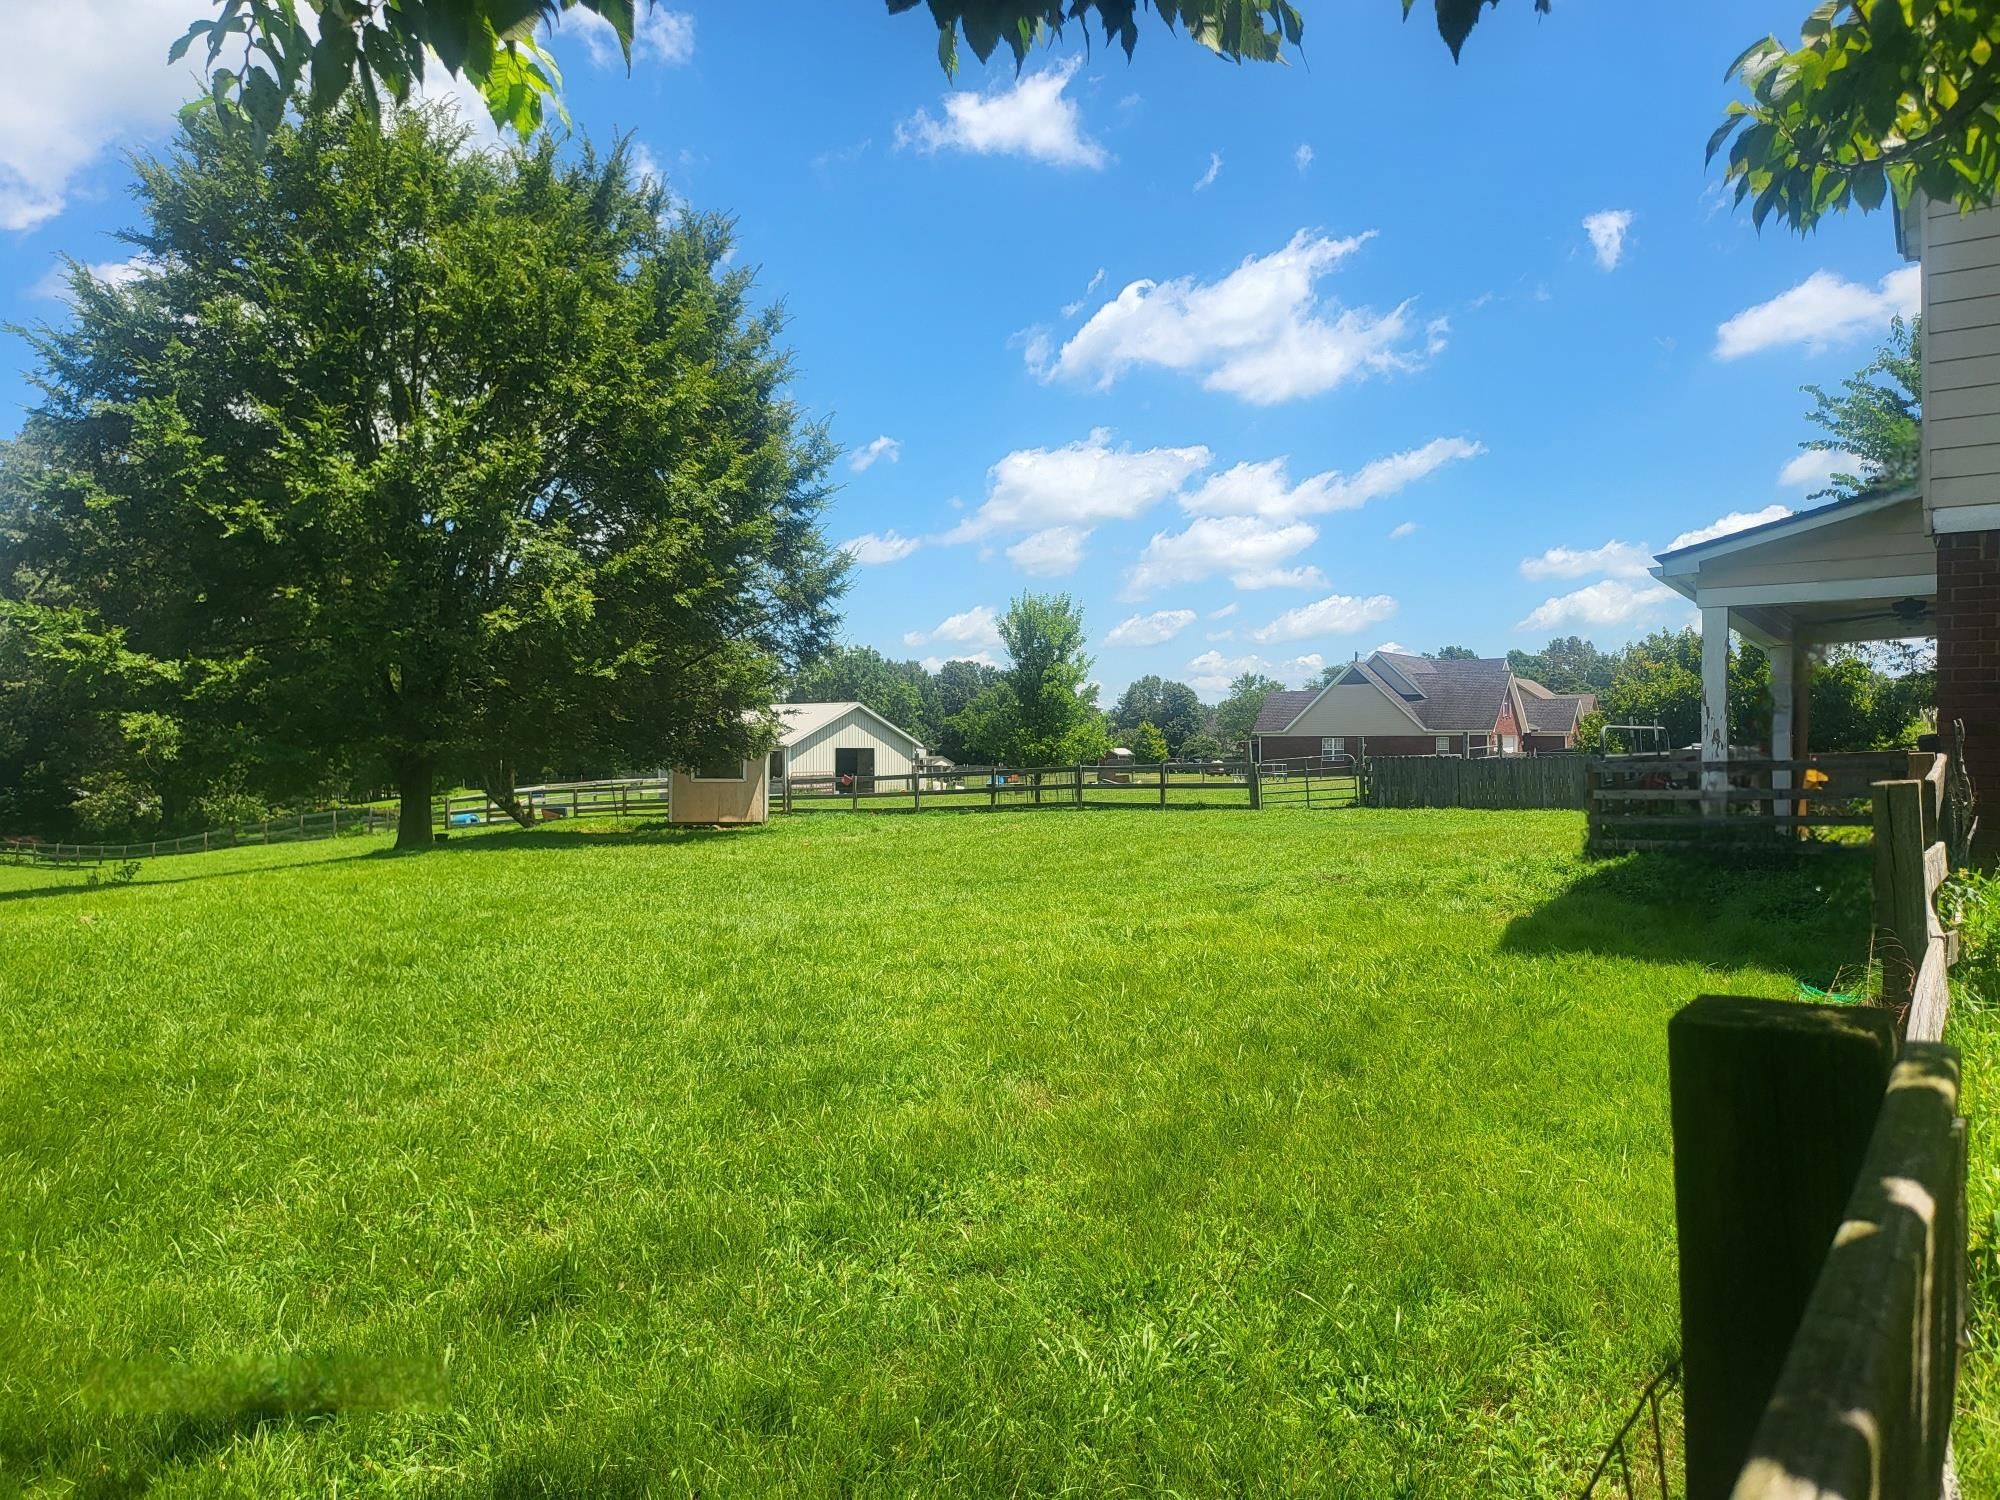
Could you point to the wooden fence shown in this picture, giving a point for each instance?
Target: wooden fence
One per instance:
(1678, 801)
(992, 788)
(332, 822)
(1819, 1184)
(1497, 781)
(609, 797)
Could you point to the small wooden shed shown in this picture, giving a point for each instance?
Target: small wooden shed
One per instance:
(724, 793)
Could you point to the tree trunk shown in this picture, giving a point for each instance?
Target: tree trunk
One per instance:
(498, 783)
(414, 777)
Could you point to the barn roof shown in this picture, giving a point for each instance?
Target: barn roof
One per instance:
(803, 719)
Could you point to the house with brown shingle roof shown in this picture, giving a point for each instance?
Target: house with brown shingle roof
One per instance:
(1390, 703)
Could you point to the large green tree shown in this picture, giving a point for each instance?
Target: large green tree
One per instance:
(1567, 664)
(1172, 707)
(1236, 714)
(401, 455)
(900, 691)
(1877, 415)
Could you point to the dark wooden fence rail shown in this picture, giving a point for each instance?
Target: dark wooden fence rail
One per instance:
(1496, 781)
(1678, 801)
(1233, 783)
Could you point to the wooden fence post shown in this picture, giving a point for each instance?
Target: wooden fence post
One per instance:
(1902, 894)
(1863, 1406)
(1163, 783)
(1773, 1106)
(993, 788)
(916, 790)
(1256, 784)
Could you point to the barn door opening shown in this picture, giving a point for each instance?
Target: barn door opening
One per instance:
(855, 769)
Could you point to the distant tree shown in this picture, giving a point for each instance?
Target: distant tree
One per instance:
(1657, 680)
(954, 687)
(1857, 706)
(983, 731)
(1173, 706)
(1055, 705)
(894, 689)
(1453, 653)
(403, 455)
(1327, 674)
(1877, 416)
(258, 53)
(1236, 714)
(1568, 664)
(1208, 745)
(1147, 744)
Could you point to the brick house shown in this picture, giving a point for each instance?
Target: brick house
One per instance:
(1390, 703)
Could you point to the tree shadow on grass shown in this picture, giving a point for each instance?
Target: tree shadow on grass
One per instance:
(1801, 914)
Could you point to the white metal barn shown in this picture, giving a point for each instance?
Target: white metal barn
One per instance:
(841, 739)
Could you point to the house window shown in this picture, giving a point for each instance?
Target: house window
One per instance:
(1510, 744)
(720, 767)
(1332, 746)
(1444, 744)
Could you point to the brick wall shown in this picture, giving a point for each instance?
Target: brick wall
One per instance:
(1968, 665)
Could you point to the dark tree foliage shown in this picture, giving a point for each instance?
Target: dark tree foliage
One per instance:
(1236, 714)
(398, 455)
(1174, 708)
(900, 691)
(1568, 664)
(1453, 653)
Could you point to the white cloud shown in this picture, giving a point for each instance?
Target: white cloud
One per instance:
(54, 286)
(1407, 528)
(658, 35)
(1038, 353)
(1225, 612)
(1814, 469)
(883, 448)
(1821, 310)
(984, 658)
(976, 627)
(1614, 601)
(1305, 577)
(1303, 157)
(1078, 483)
(1264, 489)
(1050, 553)
(1336, 614)
(1212, 672)
(1033, 119)
(1736, 520)
(1607, 235)
(1259, 332)
(1246, 547)
(1150, 630)
(1618, 559)
(1214, 171)
(1395, 648)
(87, 78)
(871, 550)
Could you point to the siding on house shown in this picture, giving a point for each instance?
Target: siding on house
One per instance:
(1960, 254)
(1352, 710)
(1886, 543)
(813, 753)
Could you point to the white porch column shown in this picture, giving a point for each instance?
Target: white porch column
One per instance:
(1784, 675)
(1714, 705)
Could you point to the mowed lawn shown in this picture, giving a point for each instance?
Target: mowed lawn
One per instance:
(1104, 1153)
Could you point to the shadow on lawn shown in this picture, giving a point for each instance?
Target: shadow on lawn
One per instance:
(1806, 915)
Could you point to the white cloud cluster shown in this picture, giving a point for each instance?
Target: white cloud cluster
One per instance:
(91, 77)
(1259, 332)
(1303, 157)
(882, 449)
(1033, 118)
(1619, 559)
(1212, 672)
(1336, 614)
(1160, 626)
(658, 35)
(1814, 469)
(1050, 552)
(1823, 309)
(1404, 529)
(872, 550)
(1264, 489)
(1249, 549)
(1607, 235)
(1628, 594)
(1207, 179)
(1077, 484)
(977, 628)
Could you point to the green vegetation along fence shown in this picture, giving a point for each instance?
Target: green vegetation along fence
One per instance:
(332, 822)
(1499, 781)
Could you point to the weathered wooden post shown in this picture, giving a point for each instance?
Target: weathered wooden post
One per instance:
(1773, 1106)
(1902, 895)
(1163, 783)
(1256, 784)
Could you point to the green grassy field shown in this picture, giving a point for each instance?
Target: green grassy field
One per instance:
(1106, 1152)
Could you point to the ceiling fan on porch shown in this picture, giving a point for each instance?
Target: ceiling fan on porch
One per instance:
(1911, 612)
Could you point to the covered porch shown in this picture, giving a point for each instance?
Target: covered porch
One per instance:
(1858, 570)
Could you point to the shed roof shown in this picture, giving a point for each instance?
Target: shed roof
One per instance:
(803, 719)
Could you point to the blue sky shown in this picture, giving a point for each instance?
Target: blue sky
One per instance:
(1267, 366)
